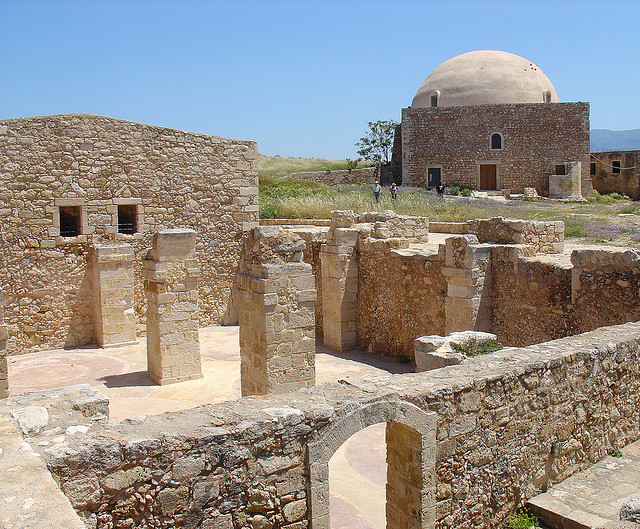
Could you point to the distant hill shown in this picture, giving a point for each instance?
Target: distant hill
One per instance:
(615, 140)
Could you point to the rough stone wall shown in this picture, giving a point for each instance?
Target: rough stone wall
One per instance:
(243, 463)
(172, 178)
(535, 137)
(539, 236)
(364, 175)
(531, 298)
(401, 296)
(4, 379)
(626, 182)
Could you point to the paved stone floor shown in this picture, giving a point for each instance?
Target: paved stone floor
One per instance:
(357, 470)
(592, 498)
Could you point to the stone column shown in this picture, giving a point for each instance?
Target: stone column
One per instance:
(338, 258)
(276, 295)
(4, 335)
(112, 271)
(468, 275)
(171, 275)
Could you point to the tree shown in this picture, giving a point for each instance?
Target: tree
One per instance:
(376, 145)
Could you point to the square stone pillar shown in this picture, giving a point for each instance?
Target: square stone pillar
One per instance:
(4, 335)
(468, 275)
(170, 274)
(276, 302)
(339, 263)
(112, 272)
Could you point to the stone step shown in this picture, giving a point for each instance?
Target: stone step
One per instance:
(592, 499)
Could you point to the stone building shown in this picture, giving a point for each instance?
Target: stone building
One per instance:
(616, 172)
(490, 120)
(71, 184)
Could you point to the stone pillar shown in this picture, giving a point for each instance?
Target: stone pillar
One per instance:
(4, 335)
(468, 274)
(339, 263)
(112, 271)
(276, 301)
(171, 275)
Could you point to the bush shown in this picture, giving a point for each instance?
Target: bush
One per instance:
(465, 192)
(455, 191)
(608, 198)
(523, 519)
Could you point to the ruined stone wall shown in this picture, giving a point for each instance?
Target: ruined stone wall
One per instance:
(535, 137)
(400, 297)
(364, 175)
(171, 178)
(625, 182)
(539, 236)
(244, 462)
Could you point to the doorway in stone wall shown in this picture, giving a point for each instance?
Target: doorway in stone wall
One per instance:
(357, 480)
(488, 176)
(433, 176)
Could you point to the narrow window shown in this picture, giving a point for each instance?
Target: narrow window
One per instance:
(434, 99)
(547, 96)
(615, 167)
(560, 169)
(592, 168)
(127, 219)
(496, 141)
(70, 221)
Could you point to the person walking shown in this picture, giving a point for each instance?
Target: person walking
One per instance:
(394, 191)
(376, 191)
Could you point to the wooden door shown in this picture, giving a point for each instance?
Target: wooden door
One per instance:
(488, 179)
(434, 176)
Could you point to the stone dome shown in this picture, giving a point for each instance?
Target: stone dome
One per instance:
(485, 77)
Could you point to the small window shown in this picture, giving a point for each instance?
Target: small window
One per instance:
(615, 166)
(496, 141)
(561, 169)
(127, 219)
(547, 96)
(592, 168)
(434, 98)
(70, 221)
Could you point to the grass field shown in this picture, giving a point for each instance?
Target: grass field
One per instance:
(279, 166)
(604, 219)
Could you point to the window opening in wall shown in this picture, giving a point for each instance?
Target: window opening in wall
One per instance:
(547, 97)
(434, 100)
(70, 221)
(615, 166)
(127, 219)
(496, 141)
(592, 168)
(561, 169)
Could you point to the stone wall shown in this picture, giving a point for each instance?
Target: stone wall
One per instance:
(167, 178)
(625, 182)
(4, 379)
(539, 236)
(247, 463)
(535, 138)
(364, 175)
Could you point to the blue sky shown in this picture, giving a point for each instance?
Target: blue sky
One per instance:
(301, 77)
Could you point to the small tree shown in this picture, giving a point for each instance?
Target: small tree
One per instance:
(376, 145)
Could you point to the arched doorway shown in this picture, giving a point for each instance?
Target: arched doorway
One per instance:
(410, 437)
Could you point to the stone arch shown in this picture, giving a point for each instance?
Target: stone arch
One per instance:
(411, 443)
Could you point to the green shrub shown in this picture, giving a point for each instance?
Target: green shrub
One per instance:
(574, 231)
(615, 452)
(465, 192)
(455, 191)
(608, 198)
(523, 519)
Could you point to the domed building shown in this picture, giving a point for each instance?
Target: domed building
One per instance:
(491, 120)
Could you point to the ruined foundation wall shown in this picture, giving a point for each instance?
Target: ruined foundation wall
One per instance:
(400, 297)
(171, 178)
(364, 175)
(244, 462)
(626, 181)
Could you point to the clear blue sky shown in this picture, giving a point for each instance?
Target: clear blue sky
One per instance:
(300, 77)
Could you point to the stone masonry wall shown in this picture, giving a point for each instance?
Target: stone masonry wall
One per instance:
(243, 464)
(364, 175)
(626, 181)
(535, 138)
(170, 178)
(4, 379)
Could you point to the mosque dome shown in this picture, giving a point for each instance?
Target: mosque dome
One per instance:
(485, 77)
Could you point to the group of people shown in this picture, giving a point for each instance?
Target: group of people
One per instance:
(393, 189)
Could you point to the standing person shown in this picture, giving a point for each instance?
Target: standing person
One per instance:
(394, 191)
(376, 191)
(440, 190)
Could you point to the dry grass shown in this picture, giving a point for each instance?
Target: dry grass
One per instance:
(279, 166)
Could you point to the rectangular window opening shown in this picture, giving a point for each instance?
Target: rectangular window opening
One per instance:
(560, 169)
(592, 168)
(70, 221)
(615, 167)
(128, 219)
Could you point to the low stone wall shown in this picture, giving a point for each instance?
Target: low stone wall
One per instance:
(364, 175)
(541, 236)
(244, 463)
